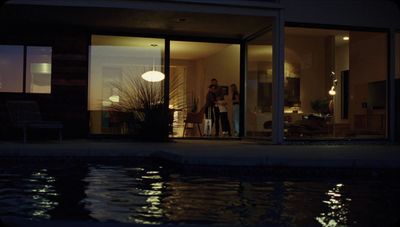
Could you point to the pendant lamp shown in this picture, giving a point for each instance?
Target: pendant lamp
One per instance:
(153, 75)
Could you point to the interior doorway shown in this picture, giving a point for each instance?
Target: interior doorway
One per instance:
(192, 67)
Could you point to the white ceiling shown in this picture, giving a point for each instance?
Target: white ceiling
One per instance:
(179, 49)
(183, 50)
(195, 50)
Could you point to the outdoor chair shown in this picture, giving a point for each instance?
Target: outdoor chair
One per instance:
(26, 114)
(195, 119)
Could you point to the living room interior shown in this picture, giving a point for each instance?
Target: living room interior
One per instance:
(335, 83)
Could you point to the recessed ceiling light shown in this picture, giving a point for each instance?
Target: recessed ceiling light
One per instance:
(346, 38)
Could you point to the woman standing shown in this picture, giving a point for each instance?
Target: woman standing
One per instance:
(223, 111)
(236, 110)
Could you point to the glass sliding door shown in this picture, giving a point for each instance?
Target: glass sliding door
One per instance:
(195, 66)
(125, 80)
(258, 109)
(335, 83)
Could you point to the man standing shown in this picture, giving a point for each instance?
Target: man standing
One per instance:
(218, 93)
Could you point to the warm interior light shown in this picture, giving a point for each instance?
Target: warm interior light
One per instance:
(41, 68)
(346, 38)
(332, 92)
(114, 98)
(107, 103)
(153, 76)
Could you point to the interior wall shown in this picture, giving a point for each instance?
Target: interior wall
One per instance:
(191, 75)
(342, 58)
(305, 56)
(223, 66)
(341, 64)
(259, 71)
(368, 63)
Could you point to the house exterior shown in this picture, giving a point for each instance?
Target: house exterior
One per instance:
(305, 69)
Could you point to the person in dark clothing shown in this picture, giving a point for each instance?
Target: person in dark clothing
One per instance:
(218, 95)
(223, 111)
(210, 104)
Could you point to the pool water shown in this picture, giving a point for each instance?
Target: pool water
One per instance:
(155, 194)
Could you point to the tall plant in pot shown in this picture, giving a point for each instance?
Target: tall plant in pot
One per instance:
(141, 105)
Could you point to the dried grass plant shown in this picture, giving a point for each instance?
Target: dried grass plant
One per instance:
(141, 106)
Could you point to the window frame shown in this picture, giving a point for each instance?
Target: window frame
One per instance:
(387, 32)
(24, 62)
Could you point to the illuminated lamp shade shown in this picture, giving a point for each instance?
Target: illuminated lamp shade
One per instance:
(153, 76)
(114, 98)
(332, 92)
(41, 68)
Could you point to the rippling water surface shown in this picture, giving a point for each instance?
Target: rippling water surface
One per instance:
(151, 194)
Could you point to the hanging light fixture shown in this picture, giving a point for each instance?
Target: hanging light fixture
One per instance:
(153, 75)
(332, 91)
(114, 97)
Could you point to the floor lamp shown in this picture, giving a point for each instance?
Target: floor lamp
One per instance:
(332, 93)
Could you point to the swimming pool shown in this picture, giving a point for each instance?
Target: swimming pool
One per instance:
(152, 193)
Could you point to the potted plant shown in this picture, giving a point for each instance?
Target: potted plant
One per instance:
(141, 106)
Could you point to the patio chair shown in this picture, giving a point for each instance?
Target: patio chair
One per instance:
(195, 119)
(26, 114)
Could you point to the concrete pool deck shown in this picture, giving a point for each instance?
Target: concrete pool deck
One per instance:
(218, 152)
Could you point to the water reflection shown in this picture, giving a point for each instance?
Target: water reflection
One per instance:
(153, 195)
(30, 195)
(43, 193)
(124, 194)
(338, 208)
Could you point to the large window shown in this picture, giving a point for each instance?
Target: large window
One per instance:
(335, 83)
(11, 68)
(258, 109)
(193, 66)
(118, 83)
(37, 69)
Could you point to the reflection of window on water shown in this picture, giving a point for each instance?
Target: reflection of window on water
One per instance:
(129, 195)
(336, 214)
(43, 194)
